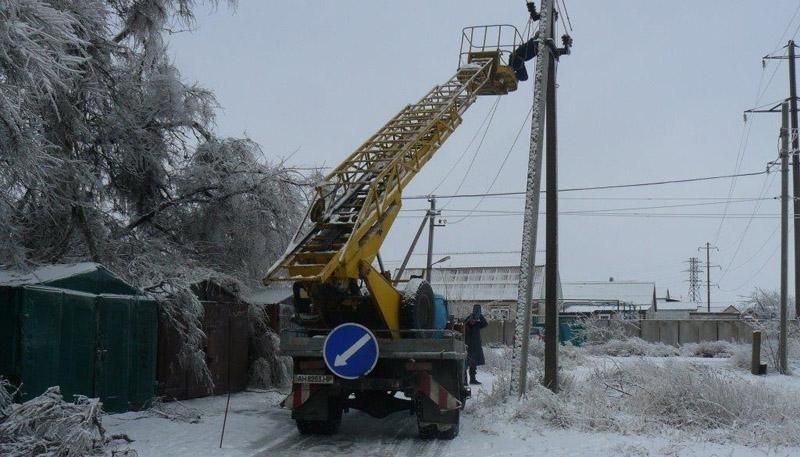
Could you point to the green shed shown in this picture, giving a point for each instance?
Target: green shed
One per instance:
(82, 328)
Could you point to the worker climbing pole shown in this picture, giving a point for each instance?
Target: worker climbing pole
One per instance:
(542, 45)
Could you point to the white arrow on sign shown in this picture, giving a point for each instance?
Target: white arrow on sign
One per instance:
(341, 359)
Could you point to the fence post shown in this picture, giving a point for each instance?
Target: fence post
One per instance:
(755, 361)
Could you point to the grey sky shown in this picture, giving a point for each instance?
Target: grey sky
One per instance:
(653, 90)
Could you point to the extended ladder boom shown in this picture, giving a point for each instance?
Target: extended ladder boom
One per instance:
(355, 205)
(357, 202)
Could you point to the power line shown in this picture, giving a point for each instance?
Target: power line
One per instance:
(756, 207)
(578, 189)
(503, 163)
(480, 144)
(743, 140)
(471, 141)
(758, 251)
(631, 215)
(754, 275)
(635, 208)
(566, 13)
(797, 10)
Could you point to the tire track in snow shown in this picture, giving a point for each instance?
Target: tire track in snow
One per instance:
(360, 435)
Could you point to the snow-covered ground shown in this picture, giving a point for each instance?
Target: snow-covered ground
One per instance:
(257, 426)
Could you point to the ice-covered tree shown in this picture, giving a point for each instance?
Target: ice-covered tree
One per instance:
(107, 154)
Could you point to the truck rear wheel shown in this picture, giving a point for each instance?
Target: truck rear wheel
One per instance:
(328, 426)
(417, 309)
(430, 430)
(451, 432)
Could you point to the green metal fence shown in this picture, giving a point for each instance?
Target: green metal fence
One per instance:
(98, 345)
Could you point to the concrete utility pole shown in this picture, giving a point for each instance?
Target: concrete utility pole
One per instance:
(522, 331)
(782, 365)
(432, 213)
(708, 249)
(402, 269)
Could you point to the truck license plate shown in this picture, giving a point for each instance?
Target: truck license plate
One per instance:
(313, 379)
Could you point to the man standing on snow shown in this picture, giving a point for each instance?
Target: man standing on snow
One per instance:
(472, 337)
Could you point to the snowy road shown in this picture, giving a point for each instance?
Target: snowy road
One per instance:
(359, 435)
(257, 427)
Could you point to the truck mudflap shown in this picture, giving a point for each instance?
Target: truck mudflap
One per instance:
(299, 395)
(437, 393)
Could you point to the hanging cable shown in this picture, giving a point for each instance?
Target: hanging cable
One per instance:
(756, 207)
(577, 189)
(478, 149)
(758, 251)
(469, 145)
(566, 13)
(503, 163)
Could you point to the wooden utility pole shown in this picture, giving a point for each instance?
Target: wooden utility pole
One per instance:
(551, 240)
(782, 366)
(522, 330)
(708, 275)
(795, 172)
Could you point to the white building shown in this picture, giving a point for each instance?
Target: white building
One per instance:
(605, 298)
(495, 288)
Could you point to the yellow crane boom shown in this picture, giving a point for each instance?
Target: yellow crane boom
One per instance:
(355, 204)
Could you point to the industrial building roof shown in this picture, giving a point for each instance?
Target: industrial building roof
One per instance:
(638, 293)
(497, 283)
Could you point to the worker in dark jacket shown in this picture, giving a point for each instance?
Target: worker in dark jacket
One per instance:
(472, 337)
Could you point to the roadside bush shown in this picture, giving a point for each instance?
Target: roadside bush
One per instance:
(47, 426)
(716, 349)
(632, 347)
(599, 331)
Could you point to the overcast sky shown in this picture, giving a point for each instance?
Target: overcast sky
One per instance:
(652, 91)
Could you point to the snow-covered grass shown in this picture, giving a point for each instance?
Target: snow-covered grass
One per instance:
(657, 397)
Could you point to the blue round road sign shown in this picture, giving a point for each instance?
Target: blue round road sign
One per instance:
(350, 351)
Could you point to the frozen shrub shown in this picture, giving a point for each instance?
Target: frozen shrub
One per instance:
(598, 331)
(268, 368)
(570, 356)
(48, 426)
(174, 411)
(632, 347)
(646, 397)
(708, 349)
(6, 395)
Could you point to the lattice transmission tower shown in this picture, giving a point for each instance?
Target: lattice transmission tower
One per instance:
(695, 284)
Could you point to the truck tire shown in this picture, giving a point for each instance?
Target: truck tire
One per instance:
(322, 427)
(452, 432)
(429, 431)
(417, 308)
